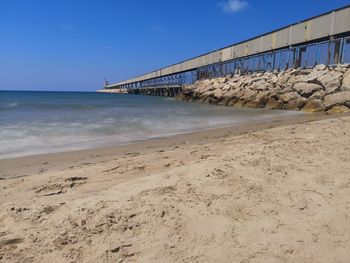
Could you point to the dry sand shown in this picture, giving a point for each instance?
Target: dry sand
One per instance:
(278, 194)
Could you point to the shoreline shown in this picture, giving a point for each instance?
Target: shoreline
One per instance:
(33, 164)
(274, 192)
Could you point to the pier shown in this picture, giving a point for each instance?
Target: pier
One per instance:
(324, 39)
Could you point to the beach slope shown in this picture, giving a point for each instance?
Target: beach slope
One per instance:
(274, 195)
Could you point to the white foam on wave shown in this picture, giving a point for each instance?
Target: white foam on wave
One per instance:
(9, 105)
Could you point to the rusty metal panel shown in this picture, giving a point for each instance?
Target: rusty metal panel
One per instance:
(342, 21)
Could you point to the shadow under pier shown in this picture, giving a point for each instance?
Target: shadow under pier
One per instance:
(166, 91)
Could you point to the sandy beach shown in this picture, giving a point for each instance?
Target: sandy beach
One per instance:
(275, 192)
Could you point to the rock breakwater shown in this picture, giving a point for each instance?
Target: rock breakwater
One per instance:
(321, 88)
(116, 91)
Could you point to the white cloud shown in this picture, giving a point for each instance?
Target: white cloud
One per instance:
(233, 6)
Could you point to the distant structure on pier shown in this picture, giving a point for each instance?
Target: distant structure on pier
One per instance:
(106, 83)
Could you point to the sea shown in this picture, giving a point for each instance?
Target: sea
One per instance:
(36, 122)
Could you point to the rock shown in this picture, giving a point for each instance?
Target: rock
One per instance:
(346, 81)
(206, 82)
(314, 105)
(301, 72)
(330, 80)
(318, 95)
(239, 104)
(339, 109)
(319, 89)
(274, 104)
(263, 86)
(207, 93)
(259, 101)
(283, 80)
(187, 92)
(248, 94)
(288, 96)
(218, 93)
(226, 87)
(292, 81)
(312, 77)
(232, 102)
(341, 68)
(306, 89)
(296, 103)
(274, 79)
(224, 101)
(337, 99)
(320, 67)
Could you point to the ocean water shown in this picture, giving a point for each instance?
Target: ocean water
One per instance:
(45, 122)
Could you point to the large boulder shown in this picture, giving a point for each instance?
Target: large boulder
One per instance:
(218, 93)
(224, 101)
(249, 94)
(312, 77)
(314, 105)
(274, 104)
(306, 89)
(346, 81)
(337, 99)
(283, 79)
(259, 101)
(331, 81)
(293, 100)
(341, 68)
(239, 104)
(187, 92)
(318, 95)
(320, 67)
(339, 109)
(232, 101)
(285, 97)
(226, 87)
(210, 100)
(296, 103)
(262, 86)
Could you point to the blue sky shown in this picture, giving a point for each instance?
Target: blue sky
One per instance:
(75, 44)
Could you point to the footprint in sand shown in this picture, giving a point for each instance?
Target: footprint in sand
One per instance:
(60, 187)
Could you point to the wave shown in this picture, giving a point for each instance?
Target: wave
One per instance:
(44, 106)
(9, 105)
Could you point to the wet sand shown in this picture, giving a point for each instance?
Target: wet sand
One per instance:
(275, 192)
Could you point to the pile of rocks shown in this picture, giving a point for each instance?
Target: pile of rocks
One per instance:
(116, 91)
(319, 89)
